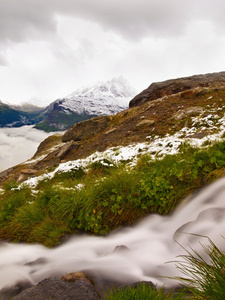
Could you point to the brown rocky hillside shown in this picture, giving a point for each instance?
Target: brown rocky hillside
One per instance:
(163, 108)
(160, 89)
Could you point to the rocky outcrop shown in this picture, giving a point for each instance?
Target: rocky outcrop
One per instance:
(48, 144)
(25, 174)
(143, 123)
(182, 113)
(28, 171)
(160, 89)
(71, 145)
(85, 129)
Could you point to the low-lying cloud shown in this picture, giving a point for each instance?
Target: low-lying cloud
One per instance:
(18, 145)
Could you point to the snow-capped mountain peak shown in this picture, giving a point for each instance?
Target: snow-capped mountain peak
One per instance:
(102, 98)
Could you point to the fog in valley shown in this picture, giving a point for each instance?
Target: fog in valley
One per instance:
(18, 145)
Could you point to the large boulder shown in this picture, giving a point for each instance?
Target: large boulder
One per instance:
(58, 289)
(85, 129)
(165, 88)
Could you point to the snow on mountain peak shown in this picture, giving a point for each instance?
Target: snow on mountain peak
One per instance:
(102, 98)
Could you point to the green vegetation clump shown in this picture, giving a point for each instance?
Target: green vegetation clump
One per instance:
(143, 291)
(105, 196)
(73, 174)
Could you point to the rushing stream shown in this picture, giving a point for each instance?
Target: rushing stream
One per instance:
(149, 246)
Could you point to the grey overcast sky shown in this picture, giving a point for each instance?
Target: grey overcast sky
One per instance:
(49, 48)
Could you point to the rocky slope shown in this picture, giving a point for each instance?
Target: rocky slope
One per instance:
(194, 111)
(160, 89)
(102, 98)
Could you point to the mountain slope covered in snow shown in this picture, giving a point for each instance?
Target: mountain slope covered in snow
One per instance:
(102, 98)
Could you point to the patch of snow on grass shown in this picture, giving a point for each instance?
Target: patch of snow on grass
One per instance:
(77, 187)
(157, 147)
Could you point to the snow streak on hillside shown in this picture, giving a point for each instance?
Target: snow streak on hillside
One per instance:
(157, 148)
(103, 98)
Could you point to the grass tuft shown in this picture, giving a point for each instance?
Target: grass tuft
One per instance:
(143, 291)
(204, 273)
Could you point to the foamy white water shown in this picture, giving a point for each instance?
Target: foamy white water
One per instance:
(151, 244)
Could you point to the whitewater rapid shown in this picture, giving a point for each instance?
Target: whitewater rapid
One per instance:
(151, 246)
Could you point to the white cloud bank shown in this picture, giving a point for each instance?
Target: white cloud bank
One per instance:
(18, 144)
(49, 48)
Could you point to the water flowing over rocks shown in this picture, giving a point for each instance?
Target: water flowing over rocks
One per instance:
(165, 88)
(138, 253)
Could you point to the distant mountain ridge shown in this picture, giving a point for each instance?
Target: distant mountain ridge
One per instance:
(16, 117)
(102, 98)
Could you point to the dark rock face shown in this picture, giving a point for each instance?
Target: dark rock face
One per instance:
(67, 148)
(9, 292)
(160, 89)
(85, 129)
(58, 289)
